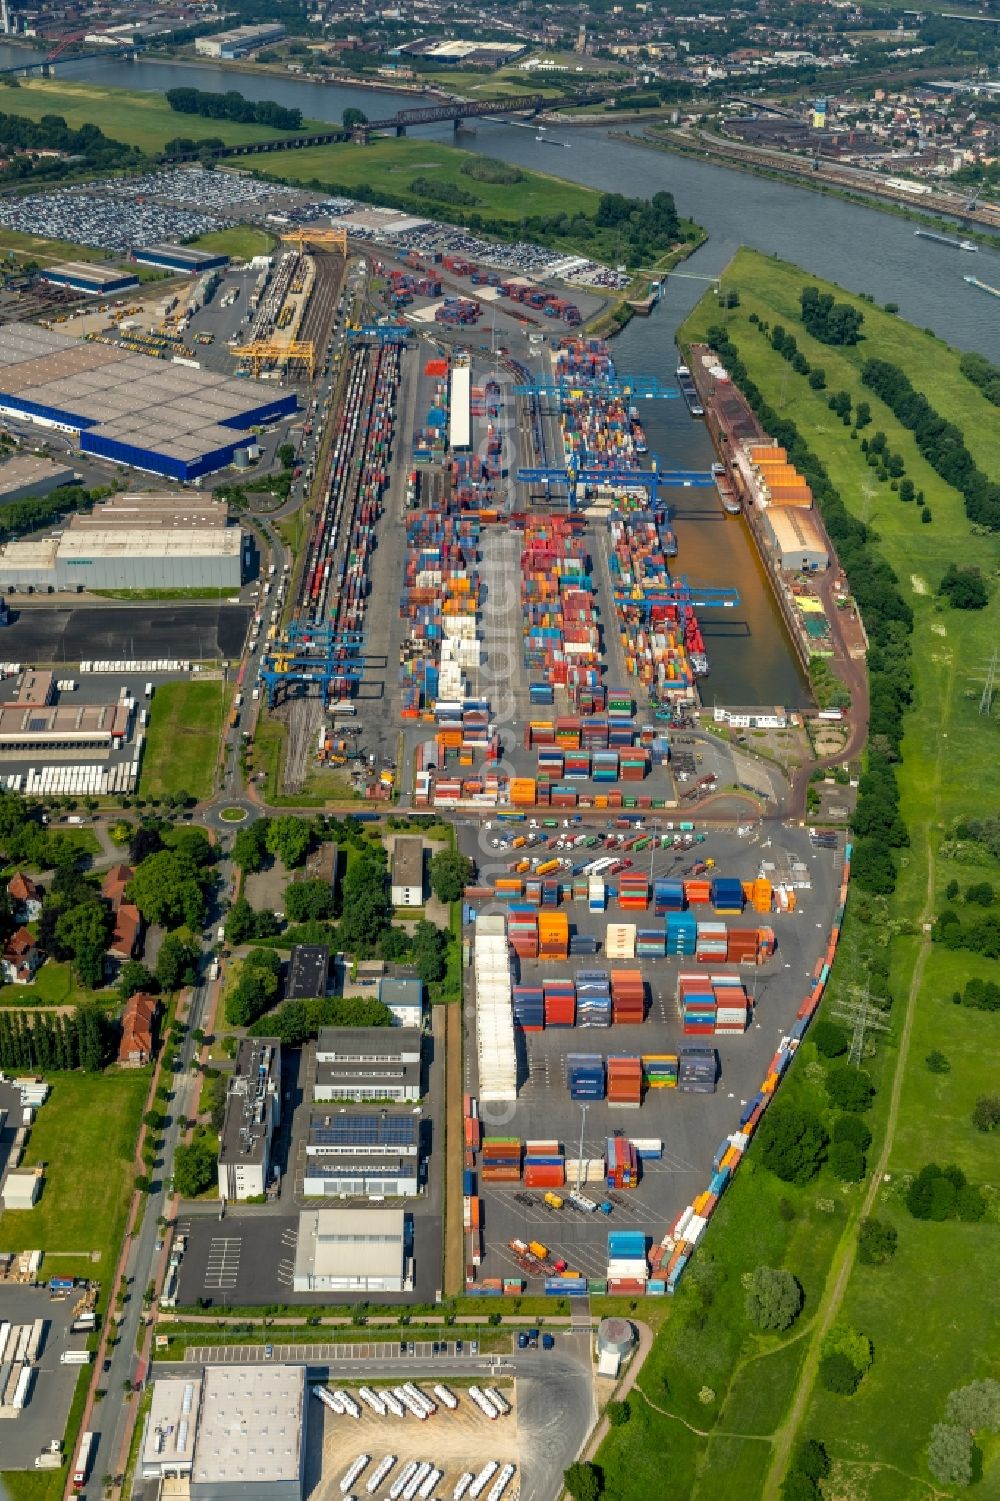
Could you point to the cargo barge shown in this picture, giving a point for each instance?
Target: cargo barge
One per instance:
(730, 501)
(689, 391)
(983, 286)
(953, 244)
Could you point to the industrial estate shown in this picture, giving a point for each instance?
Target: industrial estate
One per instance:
(446, 1038)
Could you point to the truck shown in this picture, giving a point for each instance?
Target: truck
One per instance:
(76, 1357)
(538, 1250)
(553, 1200)
(82, 1465)
(148, 691)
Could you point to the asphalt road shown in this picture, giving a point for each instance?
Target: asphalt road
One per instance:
(103, 630)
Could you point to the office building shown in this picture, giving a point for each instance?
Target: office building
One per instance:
(367, 1063)
(253, 1108)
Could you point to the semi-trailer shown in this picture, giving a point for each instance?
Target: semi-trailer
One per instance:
(355, 1472)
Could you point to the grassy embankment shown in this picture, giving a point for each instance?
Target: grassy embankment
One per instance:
(241, 243)
(185, 728)
(729, 1404)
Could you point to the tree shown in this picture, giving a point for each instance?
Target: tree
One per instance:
(167, 889)
(830, 1039)
(241, 923)
(583, 1481)
(838, 1374)
(429, 949)
(305, 900)
(290, 839)
(937, 1063)
(618, 1414)
(134, 977)
(876, 1242)
(850, 1128)
(964, 588)
(792, 1142)
(774, 1299)
(286, 455)
(250, 846)
(253, 988)
(841, 1339)
(450, 873)
(976, 1406)
(84, 931)
(812, 1459)
(798, 1486)
(849, 1088)
(367, 909)
(847, 1161)
(949, 1455)
(352, 117)
(194, 1167)
(986, 1112)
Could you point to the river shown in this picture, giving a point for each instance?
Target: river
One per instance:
(860, 248)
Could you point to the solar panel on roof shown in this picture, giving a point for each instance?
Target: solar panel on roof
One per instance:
(365, 1130)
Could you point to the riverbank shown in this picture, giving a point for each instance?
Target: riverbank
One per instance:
(804, 177)
(726, 1404)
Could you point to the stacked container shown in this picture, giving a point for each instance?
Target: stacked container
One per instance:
(668, 896)
(529, 1008)
(500, 1161)
(596, 895)
(713, 943)
(620, 940)
(732, 1008)
(621, 1163)
(682, 933)
(560, 1003)
(659, 1070)
(624, 1080)
(633, 891)
(727, 894)
(627, 1259)
(696, 999)
(593, 998)
(650, 943)
(697, 1070)
(553, 935)
(742, 946)
(628, 997)
(544, 1165)
(522, 929)
(585, 1076)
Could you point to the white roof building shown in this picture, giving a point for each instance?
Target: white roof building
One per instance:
(351, 1250)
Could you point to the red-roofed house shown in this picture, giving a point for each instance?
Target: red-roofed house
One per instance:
(114, 883)
(21, 958)
(138, 1026)
(25, 896)
(125, 938)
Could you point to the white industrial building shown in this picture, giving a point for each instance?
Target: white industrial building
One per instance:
(154, 541)
(21, 1188)
(171, 1429)
(355, 1064)
(239, 41)
(250, 1444)
(253, 1109)
(355, 1155)
(351, 1250)
(797, 539)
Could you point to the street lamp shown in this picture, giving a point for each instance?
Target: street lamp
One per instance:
(579, 1160)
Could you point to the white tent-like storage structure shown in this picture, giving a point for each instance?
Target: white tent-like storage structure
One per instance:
(494, 1011)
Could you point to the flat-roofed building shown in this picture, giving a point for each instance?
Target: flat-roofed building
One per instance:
(404, 996)
(367, 1063)
(308, 972)
(87, 277)
(253, 1109)
(408, 872)
(171, 1429)
(185, 258)
(27, 474)
(351, 1250)
(797, 538)
(366, 1155)
(251, 1434)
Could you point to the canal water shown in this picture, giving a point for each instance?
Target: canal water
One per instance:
(860, 248)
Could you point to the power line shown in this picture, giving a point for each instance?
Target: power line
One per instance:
(859, 1015)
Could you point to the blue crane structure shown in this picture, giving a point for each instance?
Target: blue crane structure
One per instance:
(651, 480)
(634, 387)
(307, 654)
(382, 333)
(677, 592)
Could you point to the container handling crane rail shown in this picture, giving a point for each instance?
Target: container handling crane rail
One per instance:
(380, 333)
(629, 387)
(677, 593)
(651, 480)
(319, 237)
(271, 352)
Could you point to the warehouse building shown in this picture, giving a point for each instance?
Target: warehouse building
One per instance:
(796, 538)
(367, 1063)
(27, 475)
(351, 1251)
(32, 723)
(171, 1429)
(251, 1434)
(92, 279)
(239, 41)
(154, 541)
(184, 258)
(166, 419)
(362, 1156)
(253, 1109)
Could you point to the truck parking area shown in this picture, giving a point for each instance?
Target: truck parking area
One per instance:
(31, 1429)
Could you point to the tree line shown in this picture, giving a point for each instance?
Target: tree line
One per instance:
(234, 106)
(888, 621)
(89, 144)
(977, 369)
(829, 321)
(941, 442)
(42, 510)
(54, 1043)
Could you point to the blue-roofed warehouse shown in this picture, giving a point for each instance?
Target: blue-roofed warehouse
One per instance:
(94, 280)
(184, 258)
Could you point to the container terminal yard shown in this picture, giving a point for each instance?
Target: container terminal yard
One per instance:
(478, 610)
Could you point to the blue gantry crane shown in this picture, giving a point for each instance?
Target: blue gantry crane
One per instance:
(308, 654)
(381, 333)
(674, 591)
(628, 387)
(651, 480)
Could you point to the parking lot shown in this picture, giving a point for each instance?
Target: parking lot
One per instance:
(690, 1126)
(58, 635)
(360, 1351)
(24, 1436)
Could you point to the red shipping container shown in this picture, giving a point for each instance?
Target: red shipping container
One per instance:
(544, 1175)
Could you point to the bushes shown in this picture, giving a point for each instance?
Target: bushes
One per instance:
(830, 322)
(254, 987)
(810, 1465)
(488, 169)
(876, 1242)
(792, 1142)
(442, 192)
(839, 1375)
(849, 1088)
(829, 1038)
(847, 1161)
(964, 588)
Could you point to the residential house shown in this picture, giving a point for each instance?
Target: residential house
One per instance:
(26, 897)
(138, 1026)
(114, 883)
(21, 958)
(125, 939)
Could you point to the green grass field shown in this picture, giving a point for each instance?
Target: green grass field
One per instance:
(185, 726)
(54, 985)
(929, 1333)
(395, 163)
(142, 119)
(85, 1133)
(241, 242)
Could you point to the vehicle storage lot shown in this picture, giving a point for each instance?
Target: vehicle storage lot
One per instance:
(691, 1126)
(61, 634)
(451, 1441)
(23, 1437)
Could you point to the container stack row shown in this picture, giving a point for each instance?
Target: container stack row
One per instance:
(494, 1014)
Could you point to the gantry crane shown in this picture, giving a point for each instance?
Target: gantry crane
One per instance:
(307, 654)
(275, 352)
(629, 387)
(321, 239)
